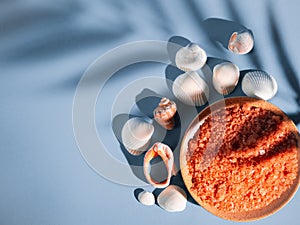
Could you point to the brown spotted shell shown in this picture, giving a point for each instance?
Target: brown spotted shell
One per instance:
(165, 112)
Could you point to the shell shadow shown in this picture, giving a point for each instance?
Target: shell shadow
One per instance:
(238, 89)
(220, 30)
(171, 73)
(136, 193)
(135, 162)
(146, 102)
(174, 44)
(212, 62)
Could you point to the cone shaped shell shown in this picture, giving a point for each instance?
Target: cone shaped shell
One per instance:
(165, 112)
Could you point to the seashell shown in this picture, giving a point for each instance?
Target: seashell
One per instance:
(225, 77)
(163, 151)
(191, 89)
(172, 199)
(259, 84)
(241, 42)
(136, 135)
(190, 58)
(165, 112)
(146, 198)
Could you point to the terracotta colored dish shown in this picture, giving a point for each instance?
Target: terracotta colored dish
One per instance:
(240, 159)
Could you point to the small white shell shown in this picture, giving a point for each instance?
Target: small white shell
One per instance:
(166, 154)
(146, 198)
(259, 84)
(225, 77)
(172, 199)
(191, 89)
(136, 135)
(190, 58)
(241, 42)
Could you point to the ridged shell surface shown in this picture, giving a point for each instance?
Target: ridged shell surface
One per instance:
(190, 58)
(136, 135)
(172, 199)
(191, 89)
(259, 84)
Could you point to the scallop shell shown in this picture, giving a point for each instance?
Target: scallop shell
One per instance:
(259, 84)
(241, 42)
(136, 135)
(190, 58)
(163, 151)
(146, 198)
(225, 77)
(165, 112)
(191, 89)
(172, 199)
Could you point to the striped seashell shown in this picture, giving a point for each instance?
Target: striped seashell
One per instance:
(191, 89)
(259, 84)
(136, 135)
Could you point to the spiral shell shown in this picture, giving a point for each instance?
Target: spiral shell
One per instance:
(166, 154)
(165, 112)
(172, 199)
(190, 58)
(225, 77)
(241, 42)
(191, 89)
(259, 84)
(136, 135)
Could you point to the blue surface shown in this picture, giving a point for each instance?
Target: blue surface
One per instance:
(45, 47)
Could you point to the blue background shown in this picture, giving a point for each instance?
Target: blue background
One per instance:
(45, 47)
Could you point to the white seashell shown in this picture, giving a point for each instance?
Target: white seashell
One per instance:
(191, 89)
(146, 198)
(241, 42)
(225, 77)
(190, 58)
(172, 199)
(259, 84)
(166, 154)
(165, 112)
(136, 135)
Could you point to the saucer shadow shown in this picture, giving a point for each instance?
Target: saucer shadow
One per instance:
(220, 30)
